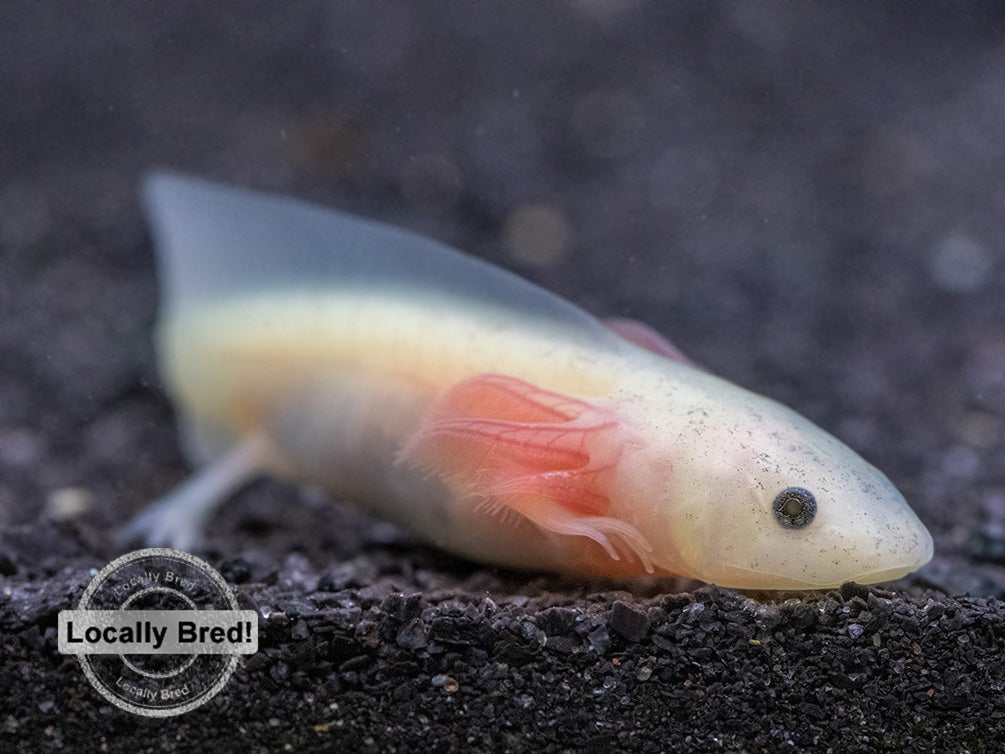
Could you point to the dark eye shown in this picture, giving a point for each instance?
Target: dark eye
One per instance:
(794, 507)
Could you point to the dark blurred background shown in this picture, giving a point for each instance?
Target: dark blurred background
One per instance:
(806, 197)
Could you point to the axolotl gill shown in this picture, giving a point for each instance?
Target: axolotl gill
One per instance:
(484, 414)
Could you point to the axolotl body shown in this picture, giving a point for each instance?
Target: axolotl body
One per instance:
(483, 413)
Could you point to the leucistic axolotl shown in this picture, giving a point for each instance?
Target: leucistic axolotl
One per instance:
(484, 414)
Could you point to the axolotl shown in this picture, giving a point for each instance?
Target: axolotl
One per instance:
(486, 415)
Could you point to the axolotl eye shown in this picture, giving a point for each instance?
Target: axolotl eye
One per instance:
(794, 507)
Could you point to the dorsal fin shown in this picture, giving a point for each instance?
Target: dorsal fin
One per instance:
(217, 241)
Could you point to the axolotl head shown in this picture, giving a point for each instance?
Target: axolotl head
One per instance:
(764, 499)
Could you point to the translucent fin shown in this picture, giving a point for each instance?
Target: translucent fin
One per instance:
(215, 241)
(646, 337)
(516, 448)
(178, 519)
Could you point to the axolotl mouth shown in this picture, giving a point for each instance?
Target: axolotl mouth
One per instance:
(748, 578)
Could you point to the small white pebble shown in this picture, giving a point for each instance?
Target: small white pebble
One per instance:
(68, 502)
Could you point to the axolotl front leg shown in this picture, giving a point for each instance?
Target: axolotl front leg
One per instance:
(515, 451)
